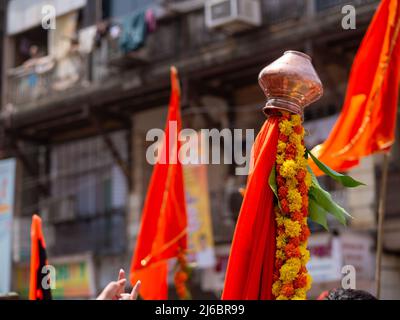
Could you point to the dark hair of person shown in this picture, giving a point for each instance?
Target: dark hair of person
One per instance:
(349, 294)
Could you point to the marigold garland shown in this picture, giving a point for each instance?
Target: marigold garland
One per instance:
(291, 279)
(181, 277)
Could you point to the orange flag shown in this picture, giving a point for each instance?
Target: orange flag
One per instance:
(367, 122)
(38, 260)
(249, 275)
(163, 230)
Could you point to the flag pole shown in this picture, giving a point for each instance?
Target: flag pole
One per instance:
(381, 215)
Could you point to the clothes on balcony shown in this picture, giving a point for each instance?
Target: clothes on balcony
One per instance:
(151, 21)
(134, 31)
(86, 39)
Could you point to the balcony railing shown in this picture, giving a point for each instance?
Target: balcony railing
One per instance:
(173, 38)
(45, 77)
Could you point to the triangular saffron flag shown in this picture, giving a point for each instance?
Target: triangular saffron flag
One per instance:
(163, 230)
(39, 288)
(367, 122)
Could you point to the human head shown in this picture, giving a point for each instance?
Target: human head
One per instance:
(349, 294)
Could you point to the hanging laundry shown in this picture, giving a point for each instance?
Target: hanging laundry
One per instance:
(133, 32)
(151, 21)
(86, 39)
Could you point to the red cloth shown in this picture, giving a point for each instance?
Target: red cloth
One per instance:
(250, 268)
(38, 261)
(164, 220)
(367, 122)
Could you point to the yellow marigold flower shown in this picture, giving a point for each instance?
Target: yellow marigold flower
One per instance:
(281, 297)
(309, 282)
(308, 180)
(281, 147)
(301, 150)
(301, 293)
(296, 297)
(295, 120)
(280, 158)
(291, 183)
(290, 269)
(280, 220)
(295, 200)
(285, 127)
(301, 161)
(280, 241)
(276, 288)
(280, 255)
(292, 228)
(296, 139)
(288, 169)
(305, 255)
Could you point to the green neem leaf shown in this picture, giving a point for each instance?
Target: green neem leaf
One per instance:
(273, 185)
(324, 200)
(345, 180)
(317, 213)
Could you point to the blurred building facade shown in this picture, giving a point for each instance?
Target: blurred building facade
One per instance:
(79, 99)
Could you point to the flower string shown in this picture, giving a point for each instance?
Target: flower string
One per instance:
(182, 276)
(291, 279)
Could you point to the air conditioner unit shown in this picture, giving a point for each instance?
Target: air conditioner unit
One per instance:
(233, 15)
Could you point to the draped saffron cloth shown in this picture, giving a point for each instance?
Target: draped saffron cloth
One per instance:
(163, 230)
(249, 274)
(367, 121)
(38, 260)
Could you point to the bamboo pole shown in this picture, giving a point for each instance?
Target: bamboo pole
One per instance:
(381, 215)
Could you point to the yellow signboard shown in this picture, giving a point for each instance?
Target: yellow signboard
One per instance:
(74, 278)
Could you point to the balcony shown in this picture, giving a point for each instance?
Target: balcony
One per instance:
(181, 38)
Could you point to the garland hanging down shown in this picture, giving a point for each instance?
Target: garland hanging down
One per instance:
(291, 279)
(298, 197)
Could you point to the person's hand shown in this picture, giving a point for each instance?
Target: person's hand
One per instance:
(134, 293)
(115, 290)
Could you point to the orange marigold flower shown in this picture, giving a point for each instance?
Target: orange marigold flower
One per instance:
(280, 180)
(292, 251)
(281, 230)
(303, 189)
(298, 129)
(297, 216)
(303, 269)
(291, 149)
(305, 233)
(282, 192)
(295, 241)
(300, 281)
(285, 206)
(305, 201)
(278, 264)
(304, 211)
(283, 137)
(287, 290)
(301, 174)
(290, 156)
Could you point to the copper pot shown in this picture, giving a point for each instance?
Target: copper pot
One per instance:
(290, 83)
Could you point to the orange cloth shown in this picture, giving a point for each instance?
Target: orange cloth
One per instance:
(250, 268)
(163, 230)
(367, 122)
(38, 261)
